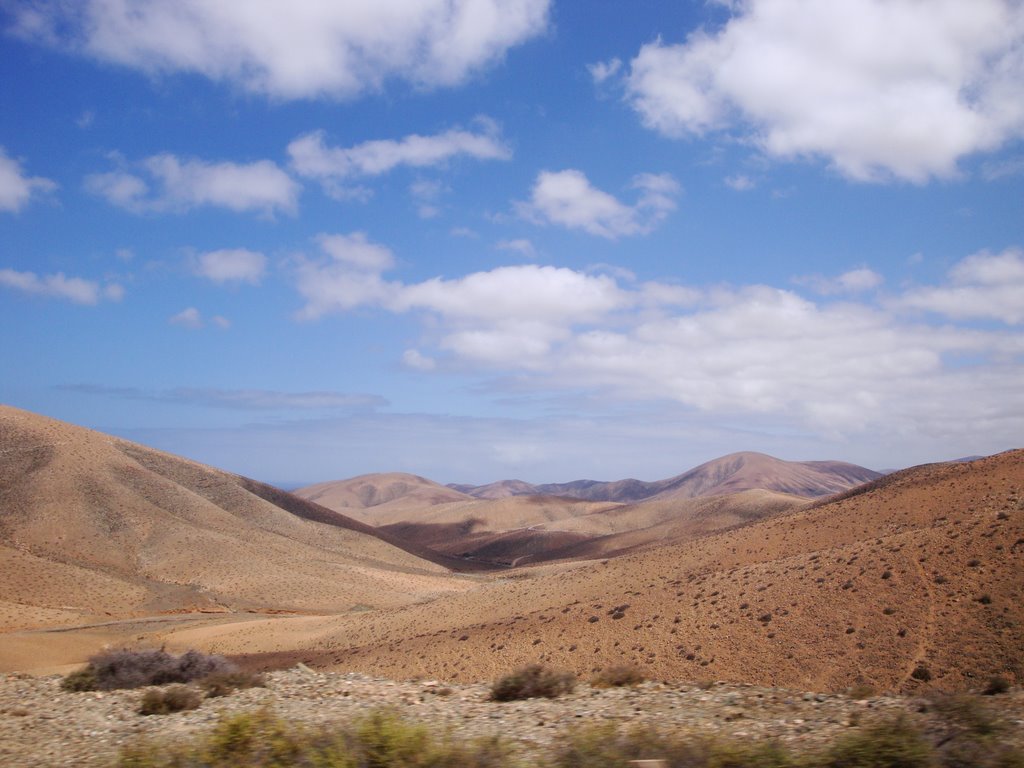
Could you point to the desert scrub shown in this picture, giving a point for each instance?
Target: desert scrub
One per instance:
(604, 746)
(227, 682)
(531, 682)
(136, 669)
(618, 676)
(173, 698)
(261, 739)
(894, 743)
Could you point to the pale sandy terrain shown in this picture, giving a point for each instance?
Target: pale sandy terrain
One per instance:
(923, 569)
(94, 528)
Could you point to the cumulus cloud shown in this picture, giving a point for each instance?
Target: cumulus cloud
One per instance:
(165, 182)
(190, 318)
(290, 50)
(17, 189)
(983, 286)
(881, 90)
(568, 199)
(235, 265)
(841, 362)
(337, 168)
(59, 286)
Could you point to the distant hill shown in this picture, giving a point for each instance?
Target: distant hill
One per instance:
(734, 473)
(912, 582)
(93, 526)
(367, 497)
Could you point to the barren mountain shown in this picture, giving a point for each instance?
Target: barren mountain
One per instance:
(370, 497)
(734, 473)
(93, 526)
(913, 581)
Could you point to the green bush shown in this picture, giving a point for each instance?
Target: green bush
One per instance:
(173, 698)
(533, 681)
(83, 679)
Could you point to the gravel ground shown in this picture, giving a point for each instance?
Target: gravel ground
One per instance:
(41, 725)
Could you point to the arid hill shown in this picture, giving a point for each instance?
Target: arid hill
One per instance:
(370, 498)
(93, 526)
(911, 582)
(734, 473)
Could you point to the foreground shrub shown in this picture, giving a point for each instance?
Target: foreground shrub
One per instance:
(605, 747)
(892, 743)
(174, 698)
(618, 676)
(263, 740)
(136, 669)
(531, 682)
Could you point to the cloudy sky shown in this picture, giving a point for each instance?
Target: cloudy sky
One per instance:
(544, 239)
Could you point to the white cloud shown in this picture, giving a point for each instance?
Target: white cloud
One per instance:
(418, 361)
(59, 286)
(851, 363)
(567, 198)
(854, 281)
(426, 193)
(190, 318)
(984, 286)
(603, 70)
(290, 50)
(183, 184)
(740, 183)
(244, 399)
(337, 167)
(17, 189)
(232, 265)
(899, 89)
(221, 322)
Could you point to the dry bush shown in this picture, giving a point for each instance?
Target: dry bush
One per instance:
(618, 676)
(173, 698)
(135, 669)
(226, 683)
(531, 682)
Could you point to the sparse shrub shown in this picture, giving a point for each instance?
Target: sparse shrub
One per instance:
(83, 679)
(533, 681)
(605, 747)
(996, 685)
(226, 683)
(971, 735)
(892, 743)
(861, 691)
(135, 669)
(173, 698)
(618, 676)
(261, 739)
(922, 673)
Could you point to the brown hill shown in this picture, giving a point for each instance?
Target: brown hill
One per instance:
(915, 581)
(734, 473)
(369, 497)
(93, 526)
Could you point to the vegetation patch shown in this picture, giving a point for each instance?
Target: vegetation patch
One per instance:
(173, 698)
(136, 669)
(531, 682)
(618, 676)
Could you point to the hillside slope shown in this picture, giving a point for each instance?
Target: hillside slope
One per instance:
(93, 526)
(916, 581)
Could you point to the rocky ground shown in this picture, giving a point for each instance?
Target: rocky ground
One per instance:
(41, 725)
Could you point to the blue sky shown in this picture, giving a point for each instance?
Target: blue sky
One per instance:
(542, 239)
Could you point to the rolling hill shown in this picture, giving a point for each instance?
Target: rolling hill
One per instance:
(911, 582)
(96, 527)
(734, 473)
